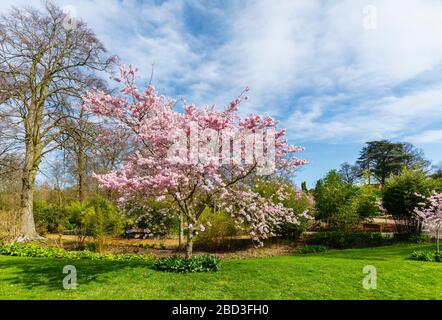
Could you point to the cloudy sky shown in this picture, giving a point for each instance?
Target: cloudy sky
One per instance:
(334, 73)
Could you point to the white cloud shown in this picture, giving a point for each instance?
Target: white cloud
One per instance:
(426, 137)
(309, 62)
(390, 117)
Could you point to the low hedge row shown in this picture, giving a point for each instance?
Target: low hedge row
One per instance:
(339, 239)
(426, 256)
(35, 251)
(182, 265)
(170, 264)
(312, 249)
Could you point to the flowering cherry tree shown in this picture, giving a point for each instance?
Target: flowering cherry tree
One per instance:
(196, 157)
(430, 213)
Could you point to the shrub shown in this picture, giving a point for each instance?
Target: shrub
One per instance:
(182, 265)
(153, 217)
(35, 251)
(346, 218)
(366, 201)
(313, 249)
(426, 256)
(101, 218)
(414, 238)
(220, 227)
(341, 239)
(400, 197)
(49, 218)
(331, 195)
(96, 218)
(437, 182)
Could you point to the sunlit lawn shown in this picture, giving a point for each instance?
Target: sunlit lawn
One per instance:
(331, 275)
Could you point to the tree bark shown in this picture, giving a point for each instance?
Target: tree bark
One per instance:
(81, 169)
(437, 240)
(27, 229)
(189, 244)
(181, 231)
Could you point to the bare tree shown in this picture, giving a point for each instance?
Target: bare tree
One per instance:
(48, 65)
(349, 173)
(81, 138)
(92, 147)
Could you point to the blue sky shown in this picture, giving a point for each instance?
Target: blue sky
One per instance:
(334, 73)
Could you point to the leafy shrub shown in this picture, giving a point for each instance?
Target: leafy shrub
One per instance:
(332, 198)
(366, 201)
(426, 256)
(92, 246)
(437, 182)
(96, 218)
(35, 251)
(182, 265)
(400, 197)
(313, 249)
(101, 218)
(414, 238)
(340, 239)
(219, 228)
(346, 218)
(49, 218)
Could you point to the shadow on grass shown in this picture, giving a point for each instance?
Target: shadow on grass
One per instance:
(48, 273)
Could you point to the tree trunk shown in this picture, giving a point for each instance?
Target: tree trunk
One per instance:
(81, 169)
(27, 229)
(181, 232)
(189, 244)
(437, 240)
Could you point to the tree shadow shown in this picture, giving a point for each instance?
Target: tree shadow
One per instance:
(48, 273)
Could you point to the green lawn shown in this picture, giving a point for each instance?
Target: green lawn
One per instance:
(331, 275)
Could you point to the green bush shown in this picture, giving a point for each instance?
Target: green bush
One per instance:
(346, 218)
(332, 197)
(101, 218)
(426, 256)
(400, 197)
(341, 239)
(366, 201)
(220, 227)
(414, 238)
(35, 251)
(50, 218)
(313, 249)
(97, 218)
(182, 265)
(438, 184)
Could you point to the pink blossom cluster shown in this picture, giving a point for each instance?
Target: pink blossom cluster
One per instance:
(430, 212)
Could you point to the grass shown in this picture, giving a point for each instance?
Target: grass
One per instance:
(336, 274)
